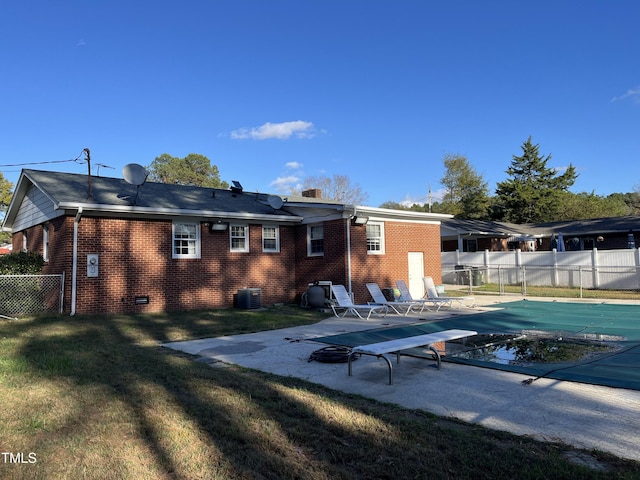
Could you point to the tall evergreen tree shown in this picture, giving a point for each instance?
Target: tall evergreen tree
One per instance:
(534, 192)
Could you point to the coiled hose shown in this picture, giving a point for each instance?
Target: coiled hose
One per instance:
(332, 354)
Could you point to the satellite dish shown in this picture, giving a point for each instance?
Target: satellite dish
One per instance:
(275, 202)
(134, 174)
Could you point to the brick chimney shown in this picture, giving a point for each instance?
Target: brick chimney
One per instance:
(312, 193)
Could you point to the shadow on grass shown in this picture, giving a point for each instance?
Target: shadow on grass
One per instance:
(136, 409)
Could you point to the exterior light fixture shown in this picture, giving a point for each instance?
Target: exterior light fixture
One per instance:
(218, 226)
(360, 220)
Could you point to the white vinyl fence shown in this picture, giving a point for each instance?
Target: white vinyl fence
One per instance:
(590, 269)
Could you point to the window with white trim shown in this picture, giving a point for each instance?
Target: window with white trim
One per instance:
(45, 242)
(270, 238)
(186, 240)
(375, 238)
(239, 235)
(315, 240)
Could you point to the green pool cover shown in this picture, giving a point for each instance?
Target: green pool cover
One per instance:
(561, 319)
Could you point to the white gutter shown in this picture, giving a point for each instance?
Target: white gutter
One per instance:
(348, 220)
(74, 268)
(176, 212)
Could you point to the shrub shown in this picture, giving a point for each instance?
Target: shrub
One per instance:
(21, 263)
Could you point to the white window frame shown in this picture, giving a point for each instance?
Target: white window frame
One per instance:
(276, 237)
(310, 228)
(380, 239)
(233, 228)
(191, 242)
(45, 242)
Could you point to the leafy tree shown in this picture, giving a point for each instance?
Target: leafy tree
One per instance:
(194, 169)
(632, 200)
(6, 192)
(466, 193)
(338, 187)
(580, 206)
(416, 207)
(533, 194)
(394, 205)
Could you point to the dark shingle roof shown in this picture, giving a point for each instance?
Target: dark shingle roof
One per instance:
(69, 188)
(567, 227)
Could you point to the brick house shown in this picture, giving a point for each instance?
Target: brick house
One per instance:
(161, 247)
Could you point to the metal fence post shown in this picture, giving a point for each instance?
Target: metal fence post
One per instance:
(580, 274)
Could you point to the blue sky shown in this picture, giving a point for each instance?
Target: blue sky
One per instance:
(273, 91)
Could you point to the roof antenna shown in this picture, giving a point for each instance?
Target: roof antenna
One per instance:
(87, 152)
(101, 165)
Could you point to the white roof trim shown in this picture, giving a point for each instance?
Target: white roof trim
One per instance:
(128, 209)
(407, 216)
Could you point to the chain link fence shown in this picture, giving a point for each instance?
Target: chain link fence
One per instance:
(497, 279)
(30, 294)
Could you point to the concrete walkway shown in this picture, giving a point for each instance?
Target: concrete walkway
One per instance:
(585, 416)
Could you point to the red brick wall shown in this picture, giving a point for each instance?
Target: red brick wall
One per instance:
(135, 260)
(400, 239)
(331, 266)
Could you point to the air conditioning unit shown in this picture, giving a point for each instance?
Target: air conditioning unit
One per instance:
(249, 298)
(326, 286)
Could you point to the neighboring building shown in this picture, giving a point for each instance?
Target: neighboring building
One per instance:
(161, 247)
(602, 233)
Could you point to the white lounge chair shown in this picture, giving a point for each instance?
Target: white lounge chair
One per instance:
(432, 294)
(398, 307)
(396, 346)
(344, 302)
(426, 302)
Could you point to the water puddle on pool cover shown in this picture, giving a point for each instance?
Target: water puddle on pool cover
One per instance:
(527, 349)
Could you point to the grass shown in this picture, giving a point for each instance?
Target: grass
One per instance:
(97, 397)
(558, 292)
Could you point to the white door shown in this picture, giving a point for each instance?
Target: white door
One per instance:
(416, 273)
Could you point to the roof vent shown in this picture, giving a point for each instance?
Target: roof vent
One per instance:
(236, 187)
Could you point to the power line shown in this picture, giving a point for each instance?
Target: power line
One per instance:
(83, 152)
(38, 163)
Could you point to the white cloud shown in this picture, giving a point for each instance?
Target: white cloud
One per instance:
(286, 184)
(294, 165)
(410, 200)
(560, 169)
(633, 94)
(280, 131)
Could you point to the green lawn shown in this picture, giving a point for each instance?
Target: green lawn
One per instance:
(97, 397)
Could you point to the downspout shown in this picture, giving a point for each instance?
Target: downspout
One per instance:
(74, 268)
(348, 220)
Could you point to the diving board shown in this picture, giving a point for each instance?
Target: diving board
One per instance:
(396, 346)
